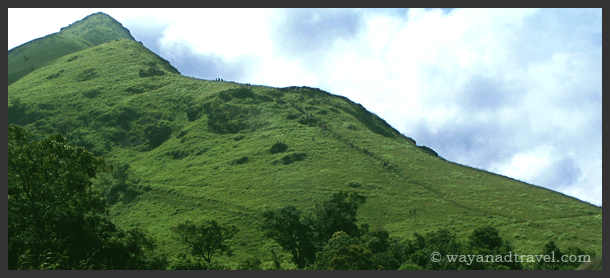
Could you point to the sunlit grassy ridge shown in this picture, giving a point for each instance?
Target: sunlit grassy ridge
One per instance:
(93, 30)
(200, 149)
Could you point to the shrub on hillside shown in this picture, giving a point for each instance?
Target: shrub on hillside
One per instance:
(428, 150)
(278, 147)
(86, 75)
(152, 69)
(193, 113)
(22, 114)
(157, 134)
(288, 159)
(308, 121)
(240, 161)
(242, 93)
(226, 118)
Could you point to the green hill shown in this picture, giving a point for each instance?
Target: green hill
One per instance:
(200, 149)
(93, 30)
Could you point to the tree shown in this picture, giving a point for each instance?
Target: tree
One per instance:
(336, 214)
(56, 219)
(343, 252)
(550, 251)
(190, 262)
(487, 238)
(487, 241)
(290, 231)
(387, 252)
(304, 236)
(443, 241)
(207, 238)
(51, 204)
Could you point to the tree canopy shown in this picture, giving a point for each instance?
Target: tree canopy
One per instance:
(56, 219)
(207, 238)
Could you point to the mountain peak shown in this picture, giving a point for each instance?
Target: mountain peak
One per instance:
(98, 28)
(95, 29)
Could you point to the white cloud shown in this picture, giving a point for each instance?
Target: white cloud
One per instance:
(229, 33)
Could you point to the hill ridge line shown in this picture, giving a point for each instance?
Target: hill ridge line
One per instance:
(443, 196)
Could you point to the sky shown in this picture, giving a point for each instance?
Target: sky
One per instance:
(516, 92)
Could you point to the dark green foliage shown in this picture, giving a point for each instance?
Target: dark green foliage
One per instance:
(277, 264)
(555, 259)
(487, 241)
(152, 69)
(242, 93)
(575, 257)
(226, 118)
(265, 98)
(207, 238)
(484, 246)
(55, 75)
(91, 93)
(354, 185)
(23, 114)
(116, 135)
(410, 266)
(276, 94)
(286, 227)
(278, 147)
(124, 117)
(238, 93)
(250, 263)
(157, 134)
(189, 262)
(53, 209)
(178, 154)
(344, 252)
(222, 124)
(141, 88)
(121, 187)
(120, 173)
(86, 75)
(291, 158)
(225, 96)
(193, 113)
(308, 121)
(374, 250)
(443, 241)
(427, 150)
(378, 241)
(337, 214)
(370, 120)
(551, 250)
(240, 161)
(292, 116)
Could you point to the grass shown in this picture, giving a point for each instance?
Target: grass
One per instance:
(203, 149)
(93, 30)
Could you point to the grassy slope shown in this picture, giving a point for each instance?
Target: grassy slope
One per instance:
(97, 98)
(93, 30)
